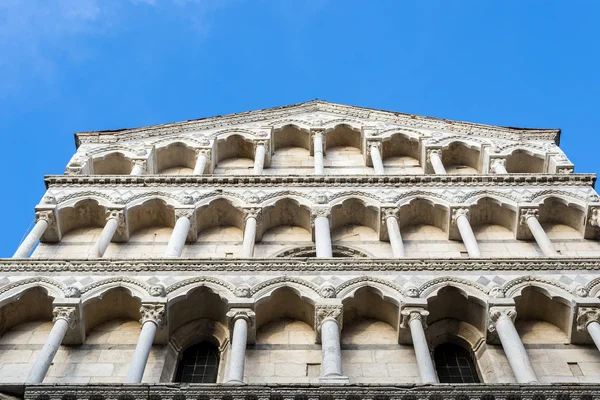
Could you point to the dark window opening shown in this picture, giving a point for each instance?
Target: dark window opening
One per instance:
(199, 364)
(454, 364)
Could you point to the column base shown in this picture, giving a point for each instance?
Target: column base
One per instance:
(235, 383)
(334, 380)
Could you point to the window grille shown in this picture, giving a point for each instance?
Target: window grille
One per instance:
(454, 364)
(199, 364)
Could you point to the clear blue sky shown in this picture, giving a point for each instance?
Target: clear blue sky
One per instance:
(74, 65)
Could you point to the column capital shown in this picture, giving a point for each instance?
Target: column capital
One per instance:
(595, 216)
(460, 212)
(140, 163)
(324, 312)
(527, 213)
(153, 312)
(244, 313)
(69, 314)
(185, 213)
(373, 143)
(498, 313)
(253, 212)
(585, 315)
(387, 212)
(409, 314)
(204, 152)
(45, 215)
(262, 142)
(317, 212)
(317, 132)
(432, 151)
(497, 161)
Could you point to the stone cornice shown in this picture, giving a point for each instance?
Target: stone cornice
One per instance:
(10, 265)
(579, 180)
(288, 392)
(407, 120)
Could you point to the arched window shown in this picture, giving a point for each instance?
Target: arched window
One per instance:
(199, 364)
(454, 364)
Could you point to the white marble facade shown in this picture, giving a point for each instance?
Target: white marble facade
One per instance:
(312, 244)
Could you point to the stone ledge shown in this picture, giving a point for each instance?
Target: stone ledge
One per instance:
(312, 392)
(9, 265)
(322, 180)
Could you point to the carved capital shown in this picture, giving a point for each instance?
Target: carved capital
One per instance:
(431, 152)
(204, 152)
(244, 313)
(387, 212)
(185, 213)
(585, 315)
(373, 143)
(253, 212)
(46, 215)
(317, 132)
(528, 213)
(595, 216)
(69, 314)
(410, 314)
(264, 143)
(320, 212)
(142, 164)
(460, 212)
(498, 313)
(328, 311)
(497, 162)
(154, 313)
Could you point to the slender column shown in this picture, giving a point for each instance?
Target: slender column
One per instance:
(178, 237)
(112, 224)
(530, 217)
(139, 167)
(414, 319)
(259, 157)
(252, 217)
(328, 319)
(152, 317)
(64, 318)
(588, 319)
(34, 235)
(241, 320)
(502, 322)
(460, 216)
(376, 157)
(318, 152)
(322, 232)
(435, 158)
(498, 165)
(391, 221)
(201, 160)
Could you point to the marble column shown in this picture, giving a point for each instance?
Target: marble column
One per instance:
(434, 156)
(178, 236)
(530, 217)
(237, 358)
(327, 318)
(318, 152)
(139, 167)
(374, 149)
(498, 165)
(202, 157)
(252, 217)
(588, 320)
(32, 239)
(390, 215)
(460, 217)
(152, 318)
(64, 318)
(414, 319)
(322, 232)
(111, 226)
(502, 322)
(259, 157)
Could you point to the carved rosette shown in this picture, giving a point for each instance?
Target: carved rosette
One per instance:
(324, 312)
(586, 315)
(431, 152)
(69, 314)
(497, 313)
(154, 313)
(460, 212)
(528, 213)
(253, 212)
(204, 152)
(595, 216)
(496, 162)
(410, 314)
(244, 313)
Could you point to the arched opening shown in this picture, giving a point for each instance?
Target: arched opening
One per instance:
(356, 224)
(283, 224)
(459, 159)
(199, 364)
(400, 155)
(561, 220)
(454, 364)
(175, 159)
(344, 151)
(284, 320)
(150, 227)
(291, 155)
(424, 230)
(112, 164)
(371, 319)
(311, 251)
(524, 162)
(540, 318)
(220, 227)
(26, 320)
(235, 156)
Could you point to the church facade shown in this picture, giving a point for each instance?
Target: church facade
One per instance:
(310, 251)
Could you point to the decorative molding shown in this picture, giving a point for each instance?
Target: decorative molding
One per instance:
(585, 315)
(154, 312)
(392, 181)
(69, 314)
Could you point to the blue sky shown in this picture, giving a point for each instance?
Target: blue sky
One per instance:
(75, 65)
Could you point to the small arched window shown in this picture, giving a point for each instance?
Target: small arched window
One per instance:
(199, 364)
(454, 364)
